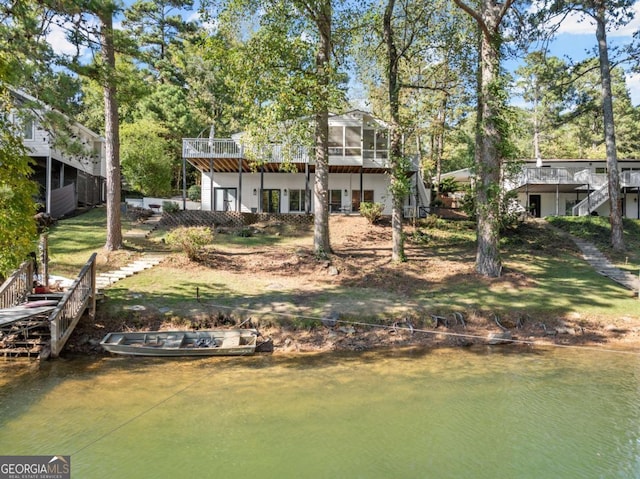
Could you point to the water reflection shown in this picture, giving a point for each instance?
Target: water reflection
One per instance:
(482, 413)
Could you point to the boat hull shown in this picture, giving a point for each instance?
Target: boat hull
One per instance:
(223, 342)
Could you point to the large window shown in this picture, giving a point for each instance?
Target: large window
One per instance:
(296, 200)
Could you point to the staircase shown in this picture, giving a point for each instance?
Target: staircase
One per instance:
(595, 199)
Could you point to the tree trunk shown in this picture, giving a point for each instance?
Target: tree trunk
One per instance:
(112, 135)
(487, 155)
(615, 217)
(321, 241)
(396, 163)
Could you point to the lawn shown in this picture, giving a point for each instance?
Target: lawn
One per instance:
(273, 271)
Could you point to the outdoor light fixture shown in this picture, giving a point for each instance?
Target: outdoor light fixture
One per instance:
(255, 192)
(346, 192)
(285, 192)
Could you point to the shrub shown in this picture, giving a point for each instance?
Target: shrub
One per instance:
(194, 193)
(190, 239)
(371, 211)
(170, 207)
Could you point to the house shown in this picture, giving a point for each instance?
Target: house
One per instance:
(358, 167)
(69, 176)
(568, 187)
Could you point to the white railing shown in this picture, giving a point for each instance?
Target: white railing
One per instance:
(17, 287)
(278, 153)
(630, 179)
(210, 148)
(592, 201)
(557, 176)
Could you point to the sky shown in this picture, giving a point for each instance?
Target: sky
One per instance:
(575, 40)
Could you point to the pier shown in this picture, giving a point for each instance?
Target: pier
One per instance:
(39, 325)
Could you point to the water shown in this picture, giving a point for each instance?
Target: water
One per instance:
(403, 414)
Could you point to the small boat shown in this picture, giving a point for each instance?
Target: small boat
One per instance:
(221, 342)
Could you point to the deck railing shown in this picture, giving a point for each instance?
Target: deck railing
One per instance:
(72, 306)
(558, 176)
(17, 286)
(630, 179)
(279, 153)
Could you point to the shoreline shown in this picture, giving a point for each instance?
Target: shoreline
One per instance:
(346, 336)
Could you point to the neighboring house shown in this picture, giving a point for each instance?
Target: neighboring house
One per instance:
(569, 187)
(67, 180)
(358, 167)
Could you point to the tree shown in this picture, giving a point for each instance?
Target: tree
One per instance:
(154, 26)
(146, 158)
(606, 14)
(84, 33)
(398, 164)
(295, 77)
(111, 127)
(17, 192)
(490, 132)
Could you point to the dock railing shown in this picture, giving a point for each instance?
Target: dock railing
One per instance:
(80, 296)
(17, 286)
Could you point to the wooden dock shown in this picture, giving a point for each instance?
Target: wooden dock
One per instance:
(40, 325)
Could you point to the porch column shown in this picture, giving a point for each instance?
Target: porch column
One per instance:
(307, 192)
(184, 183)
(361, 184)
(557, 201)
(47, 193)
(526, 192)
(239, 200)
(589, 197)
(260, 206)
(211, 183)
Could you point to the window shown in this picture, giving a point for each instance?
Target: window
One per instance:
(601, 170)
(27, 129)
(296, 200)
(352, 140)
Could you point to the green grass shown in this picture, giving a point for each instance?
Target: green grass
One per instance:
(598, 230)
(72, 241)
(544, 278)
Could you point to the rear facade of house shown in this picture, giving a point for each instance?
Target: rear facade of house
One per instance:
(358, 171)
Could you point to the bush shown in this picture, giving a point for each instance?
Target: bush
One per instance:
(170, 207)
(194, 193)
(371, 211)
(190, 239)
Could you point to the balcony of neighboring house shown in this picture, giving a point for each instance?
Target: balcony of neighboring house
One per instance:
(565, 177)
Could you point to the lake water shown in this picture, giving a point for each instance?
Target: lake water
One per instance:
(485, 413)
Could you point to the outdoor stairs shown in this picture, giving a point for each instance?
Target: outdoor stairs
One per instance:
(104, 280)
(603, 266)
(599, 262)
(149, 260)
(595, 199)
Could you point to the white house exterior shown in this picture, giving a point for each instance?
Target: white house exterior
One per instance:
(66, 180)
(570, 187)
(358, 166)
